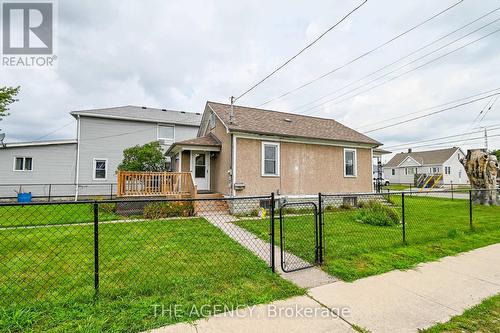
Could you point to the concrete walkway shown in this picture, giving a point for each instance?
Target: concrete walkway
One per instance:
(397, 301)
(306, 278)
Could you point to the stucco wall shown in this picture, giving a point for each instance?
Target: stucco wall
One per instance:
(304, 169)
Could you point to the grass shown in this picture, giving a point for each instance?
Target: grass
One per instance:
(14, 216)
(47, 279)
(396, 187)
(435, 227)
(484, 317)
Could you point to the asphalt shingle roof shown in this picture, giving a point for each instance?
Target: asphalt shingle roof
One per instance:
(252, 120)
(139, 113)
(430, 157)
(207, 140)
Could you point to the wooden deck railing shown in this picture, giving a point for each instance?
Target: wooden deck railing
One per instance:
(150, 184)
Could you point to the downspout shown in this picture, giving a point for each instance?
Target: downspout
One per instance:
(77, 173)
(233, 163)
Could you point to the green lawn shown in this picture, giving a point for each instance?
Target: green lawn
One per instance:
(397, 187)
(47, 276)
(49, 214)
(484, 317)
(435, 228)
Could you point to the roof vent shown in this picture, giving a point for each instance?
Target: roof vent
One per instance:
(183, 111)
(199, 114)
(164, 109)
(144, 108)
(288, 120)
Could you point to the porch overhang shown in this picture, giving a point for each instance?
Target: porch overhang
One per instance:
(204, 143)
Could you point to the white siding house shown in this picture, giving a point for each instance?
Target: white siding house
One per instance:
(92, 159)
(401, 169)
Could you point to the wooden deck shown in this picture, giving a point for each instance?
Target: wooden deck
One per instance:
(155, 184)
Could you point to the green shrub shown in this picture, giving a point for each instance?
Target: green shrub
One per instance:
(107, 208)
(156, 210)
(375, 213)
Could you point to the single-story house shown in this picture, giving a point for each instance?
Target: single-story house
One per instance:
(241, 151)
(91, 159)
(404, 168)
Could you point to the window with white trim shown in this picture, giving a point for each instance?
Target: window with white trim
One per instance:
(100, 168)
(435, 170)
(350, 163)
(393, 172)
(23, 164)
(447, 170)
(270, 159)
(410, 171)
(166, 132)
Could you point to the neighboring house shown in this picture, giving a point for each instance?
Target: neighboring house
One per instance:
(92, 159)
(247, 151)
(403, 167)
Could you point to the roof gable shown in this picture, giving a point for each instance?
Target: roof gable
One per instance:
(430, 157)
(409, 161)
(259, 121)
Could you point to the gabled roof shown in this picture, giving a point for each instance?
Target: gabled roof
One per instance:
(145, 114)
(259, 121)
(430, 157)
(209, 140)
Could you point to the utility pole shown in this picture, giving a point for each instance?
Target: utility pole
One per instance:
(231, 113)
(486, 138)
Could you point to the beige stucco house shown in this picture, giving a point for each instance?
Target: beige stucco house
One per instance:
(244, 151)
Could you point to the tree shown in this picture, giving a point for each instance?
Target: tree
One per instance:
(7, 95)
(148, 157)
(497, 153)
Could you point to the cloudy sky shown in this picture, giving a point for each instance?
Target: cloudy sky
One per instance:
(179, 54)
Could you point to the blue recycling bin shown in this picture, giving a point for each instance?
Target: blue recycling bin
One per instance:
(24, 197)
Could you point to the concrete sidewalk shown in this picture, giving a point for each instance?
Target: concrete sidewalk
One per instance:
(397, 301)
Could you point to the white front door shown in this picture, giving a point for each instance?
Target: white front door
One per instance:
(200, 169)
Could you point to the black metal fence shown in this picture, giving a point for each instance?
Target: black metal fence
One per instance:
(119, 249)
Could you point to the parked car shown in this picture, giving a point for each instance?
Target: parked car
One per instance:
(383, 181)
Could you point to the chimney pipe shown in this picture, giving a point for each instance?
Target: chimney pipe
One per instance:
(409, 150)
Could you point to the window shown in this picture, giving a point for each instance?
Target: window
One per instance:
(410, 171)
(23, 164)
(435, 170)
(100, 168)
(350, 163)
(393, 172)
(165, 132)
(270, 159)
(211, 121)
(447, 170)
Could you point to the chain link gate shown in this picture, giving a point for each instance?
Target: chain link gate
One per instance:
(301, 248)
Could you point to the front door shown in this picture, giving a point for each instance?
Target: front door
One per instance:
(200, 168)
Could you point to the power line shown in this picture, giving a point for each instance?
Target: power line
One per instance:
(397, 76)
(300, 52)
(399, 146)
(488, 110)
(430, 108)
(430, 114)
(402, 58)
(359, 57)
(54, 131)
(453, 141)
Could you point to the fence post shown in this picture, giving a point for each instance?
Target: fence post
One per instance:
(470, 209)
(96, 249)
(403, 218)
(50, 191)
(320, 231)
(272, 233)
(452, 194)
(111, 192)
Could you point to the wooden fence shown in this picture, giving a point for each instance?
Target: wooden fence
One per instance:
(151, 184)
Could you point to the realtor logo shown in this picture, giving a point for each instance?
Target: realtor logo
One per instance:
(28, 34)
